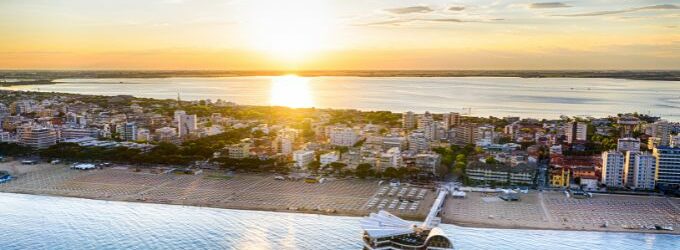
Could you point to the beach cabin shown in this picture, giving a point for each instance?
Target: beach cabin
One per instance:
(83, 166)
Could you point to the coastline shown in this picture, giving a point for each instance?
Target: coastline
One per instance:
(659, 75)
(349, 214)
(466, 224)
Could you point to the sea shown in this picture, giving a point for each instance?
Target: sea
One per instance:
(479, 96)
(59, 223)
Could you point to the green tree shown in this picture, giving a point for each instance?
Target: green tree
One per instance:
(391, 173)
(363, 170)
(314, 166)
(337, 166)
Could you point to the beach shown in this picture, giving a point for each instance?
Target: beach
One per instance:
(348, 197)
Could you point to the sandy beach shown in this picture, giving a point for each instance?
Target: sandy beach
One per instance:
(350, 197)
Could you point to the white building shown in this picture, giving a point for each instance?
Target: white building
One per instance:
(394, 141)
(345, 137)
(143, 135)
(428, 162)
(302, 158)
(283, 145)
(75, 133)
(166, 134)
(390, 158)
(327, 158)
(240, 150)
(7, 137)
(628, 144)
(417, 142)
(675, 141)
(613, 164)
(127, 131)
(640, 170)
(427, 124)
(485, 135)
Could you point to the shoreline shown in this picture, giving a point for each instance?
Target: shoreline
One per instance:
(656, 75)
(465, 224)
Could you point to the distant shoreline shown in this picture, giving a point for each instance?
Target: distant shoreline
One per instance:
(21, 77)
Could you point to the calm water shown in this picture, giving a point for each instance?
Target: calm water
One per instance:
(539, 97)
(41, 222)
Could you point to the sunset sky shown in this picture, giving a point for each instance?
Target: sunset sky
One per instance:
(339, 35)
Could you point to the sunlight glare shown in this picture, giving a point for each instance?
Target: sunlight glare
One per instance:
(291, 91)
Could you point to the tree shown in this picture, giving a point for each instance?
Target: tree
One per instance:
(337, 166)
(363, 170)
(491, 160)
(314, 166)
(391, 173)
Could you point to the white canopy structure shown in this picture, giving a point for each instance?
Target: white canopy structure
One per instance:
(384, 224)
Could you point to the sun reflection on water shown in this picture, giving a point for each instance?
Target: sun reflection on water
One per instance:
(291, 91)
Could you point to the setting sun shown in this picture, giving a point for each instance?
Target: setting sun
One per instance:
(291, 91)
(288, 31)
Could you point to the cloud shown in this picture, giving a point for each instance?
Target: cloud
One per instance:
(409, 10)
(613, 12)
(548, 5)
(397, 21)
(456, 8)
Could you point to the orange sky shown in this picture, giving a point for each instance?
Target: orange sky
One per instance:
(338, 35)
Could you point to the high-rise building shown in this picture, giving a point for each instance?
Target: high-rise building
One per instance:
(177, 114)
(613, 164)
(451, 120)
(661, 129)
(640, 170)
(37, 136)
(667, 165)
(628, 144)
(186, 124)
(427, 124)
(465, 134)
(576, 131)
(408, 120)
